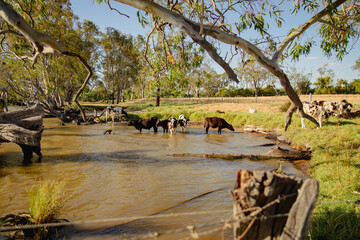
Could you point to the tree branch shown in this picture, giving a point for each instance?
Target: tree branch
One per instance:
(186, 25)
(303, 28)
(80, 90)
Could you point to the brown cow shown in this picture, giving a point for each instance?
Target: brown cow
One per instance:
(215, 122)
(147, 123)
(163, 124)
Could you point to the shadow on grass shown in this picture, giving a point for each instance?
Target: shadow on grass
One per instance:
(341, 123)
(336, 224)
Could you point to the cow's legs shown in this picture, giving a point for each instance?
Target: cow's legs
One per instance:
(113, 116)
(302, 122)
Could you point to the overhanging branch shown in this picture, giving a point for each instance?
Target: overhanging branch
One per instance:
(303, 28)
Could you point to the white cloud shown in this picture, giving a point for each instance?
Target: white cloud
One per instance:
(311, 58)
(333, 64)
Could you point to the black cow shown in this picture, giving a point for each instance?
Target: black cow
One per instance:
(163, 124)
(215, 122)
(147, 123)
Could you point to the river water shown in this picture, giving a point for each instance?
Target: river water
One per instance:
(130, 174)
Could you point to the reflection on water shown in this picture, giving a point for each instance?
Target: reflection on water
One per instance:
(132, 174)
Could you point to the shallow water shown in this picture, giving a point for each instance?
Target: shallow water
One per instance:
(132, 174)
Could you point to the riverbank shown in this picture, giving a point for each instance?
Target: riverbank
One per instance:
(335, 161)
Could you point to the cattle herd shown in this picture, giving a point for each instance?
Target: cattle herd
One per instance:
(320, 110)
(170, 125)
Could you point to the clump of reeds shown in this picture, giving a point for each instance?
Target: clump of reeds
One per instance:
(285, 106)
(46, 200)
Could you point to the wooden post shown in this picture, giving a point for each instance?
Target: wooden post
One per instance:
(23, 127)
(278, 206)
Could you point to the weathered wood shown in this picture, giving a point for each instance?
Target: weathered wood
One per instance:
(23, 127)
(272, 196)
(297, 223)
(33, 111)
(19, 135)
(274, 153)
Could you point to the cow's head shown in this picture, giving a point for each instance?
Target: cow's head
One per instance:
(133, 122)
(230, 127)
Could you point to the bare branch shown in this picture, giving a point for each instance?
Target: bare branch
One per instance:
(147, 46)
(114, 9)
(11, 32)
(80, 90)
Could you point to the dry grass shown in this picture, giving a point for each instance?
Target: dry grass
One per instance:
(267, 104)
(236, 104)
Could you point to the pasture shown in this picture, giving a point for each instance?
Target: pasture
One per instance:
(335, 147)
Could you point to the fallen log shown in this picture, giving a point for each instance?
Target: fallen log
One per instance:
(274, 153)
(23, 127)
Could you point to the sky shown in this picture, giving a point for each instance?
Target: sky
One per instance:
(103, 17)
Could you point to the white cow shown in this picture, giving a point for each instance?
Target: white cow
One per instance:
(316, 111)
(110, 110)
(182, 122)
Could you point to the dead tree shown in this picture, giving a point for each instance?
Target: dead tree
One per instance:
(277, 206)
(23, 127)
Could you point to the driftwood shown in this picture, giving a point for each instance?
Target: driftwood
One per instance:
(23, 127)
(274, 153)
(275, 206)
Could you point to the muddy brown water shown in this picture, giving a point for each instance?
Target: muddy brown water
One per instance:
(130, 174)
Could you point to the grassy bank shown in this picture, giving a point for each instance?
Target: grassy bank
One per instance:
(335, 159)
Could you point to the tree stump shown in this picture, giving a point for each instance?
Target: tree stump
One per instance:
(23, 127)
(272, 206)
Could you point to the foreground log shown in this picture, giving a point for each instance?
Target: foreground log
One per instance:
(274, 153)
(278, 206)
(23, 127)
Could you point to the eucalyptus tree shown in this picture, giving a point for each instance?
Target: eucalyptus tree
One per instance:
(119, 62)
(336, 21)
(254, 74)
(22, 27)
(200, 77)
(299, 80)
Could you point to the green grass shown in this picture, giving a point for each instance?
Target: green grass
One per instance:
(46, 200)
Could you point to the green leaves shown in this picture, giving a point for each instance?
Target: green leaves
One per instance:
(297, 50)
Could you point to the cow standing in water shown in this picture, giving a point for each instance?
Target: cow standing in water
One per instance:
(172, 124)
(164, 125)
(215, 122)
(182, 121)
(147, 123)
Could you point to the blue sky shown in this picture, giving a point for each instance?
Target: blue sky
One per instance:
(103, 17)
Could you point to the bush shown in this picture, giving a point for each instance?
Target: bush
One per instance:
(46, 200)
(285, 106)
